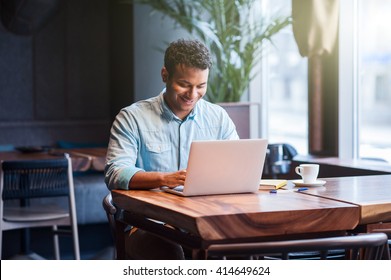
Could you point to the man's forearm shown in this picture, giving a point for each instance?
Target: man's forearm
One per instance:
(146, 180)
(150, 180)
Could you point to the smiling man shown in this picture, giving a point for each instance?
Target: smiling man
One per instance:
(150, 139)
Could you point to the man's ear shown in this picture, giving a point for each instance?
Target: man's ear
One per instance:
(164, 74)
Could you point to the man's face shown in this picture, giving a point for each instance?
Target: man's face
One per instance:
(184, 88)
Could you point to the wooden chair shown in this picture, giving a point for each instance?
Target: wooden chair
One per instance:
(21, 182)
(370, 246)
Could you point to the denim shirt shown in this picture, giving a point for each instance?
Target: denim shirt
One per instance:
(147, 136)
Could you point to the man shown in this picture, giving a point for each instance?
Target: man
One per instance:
(150, 139)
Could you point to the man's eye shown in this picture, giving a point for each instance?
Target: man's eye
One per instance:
(183, 85)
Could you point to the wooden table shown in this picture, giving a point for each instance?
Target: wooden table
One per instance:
(205, 220)
(374, 166)
(83, 159)
(96, 157)
(371, 193)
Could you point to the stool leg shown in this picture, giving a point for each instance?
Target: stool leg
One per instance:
(56, 244)
(25, 241)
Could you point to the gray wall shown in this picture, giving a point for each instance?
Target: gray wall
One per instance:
(152, 34)
(68, 80)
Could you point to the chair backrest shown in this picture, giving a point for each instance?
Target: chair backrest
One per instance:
(23, 180)
(362, 246)
(35, 178)
(278, 159)
(111, 211)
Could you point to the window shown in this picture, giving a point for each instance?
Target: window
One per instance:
(364, 76)
(365, 79)
(284, 87)
(374, 87)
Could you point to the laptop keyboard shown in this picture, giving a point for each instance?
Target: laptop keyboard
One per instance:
(179, 189)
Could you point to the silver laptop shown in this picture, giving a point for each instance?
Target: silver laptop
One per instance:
(223, 167)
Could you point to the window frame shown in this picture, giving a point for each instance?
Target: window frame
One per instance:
(348, 80)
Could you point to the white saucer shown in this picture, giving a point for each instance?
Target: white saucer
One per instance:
(317, 183)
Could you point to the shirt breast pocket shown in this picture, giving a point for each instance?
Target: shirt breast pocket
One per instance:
(159, 157)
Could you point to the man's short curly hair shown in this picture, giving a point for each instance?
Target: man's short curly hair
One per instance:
(191, 53)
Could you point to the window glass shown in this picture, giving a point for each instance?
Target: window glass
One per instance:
(287, 88)
(374, 86)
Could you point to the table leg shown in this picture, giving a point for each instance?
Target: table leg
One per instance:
(199, 254)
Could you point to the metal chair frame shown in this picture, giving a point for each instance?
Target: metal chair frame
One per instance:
(369, 246)
(111, 212)
(44, 179)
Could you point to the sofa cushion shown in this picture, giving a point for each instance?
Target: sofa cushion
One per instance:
(90, 189)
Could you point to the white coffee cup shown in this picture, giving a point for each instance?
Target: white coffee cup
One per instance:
(308, 172)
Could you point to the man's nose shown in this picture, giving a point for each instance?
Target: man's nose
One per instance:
(193, 91)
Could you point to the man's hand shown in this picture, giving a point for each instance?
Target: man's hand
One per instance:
(174, 179)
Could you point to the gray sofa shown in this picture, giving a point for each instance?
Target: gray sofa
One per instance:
(90, 189)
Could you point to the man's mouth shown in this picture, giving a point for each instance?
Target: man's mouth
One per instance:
(187, 100)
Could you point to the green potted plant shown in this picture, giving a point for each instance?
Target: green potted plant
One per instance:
(232, 31)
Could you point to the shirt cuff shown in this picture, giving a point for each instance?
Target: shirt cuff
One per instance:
(124, 177)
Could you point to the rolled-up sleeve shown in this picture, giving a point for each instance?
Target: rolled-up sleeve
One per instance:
(122, 152)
